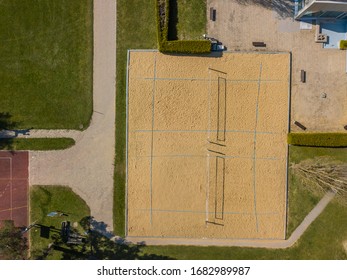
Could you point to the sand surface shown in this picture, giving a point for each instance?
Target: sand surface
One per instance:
(207, 145)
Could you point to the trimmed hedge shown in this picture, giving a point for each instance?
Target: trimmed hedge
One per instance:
(163, 31)
(319, 139)
(186, 46)
(177, 46)
(343, 45)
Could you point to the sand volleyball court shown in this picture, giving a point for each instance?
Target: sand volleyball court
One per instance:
(206, 145)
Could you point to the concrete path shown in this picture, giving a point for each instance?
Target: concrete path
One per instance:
(272, 244)
(88, 166)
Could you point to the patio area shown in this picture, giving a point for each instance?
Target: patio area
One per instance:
(319, 103)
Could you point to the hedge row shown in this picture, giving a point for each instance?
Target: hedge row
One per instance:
(343, 45)
(177, 46)
(162, 27)
(186, 46)
(318, 139)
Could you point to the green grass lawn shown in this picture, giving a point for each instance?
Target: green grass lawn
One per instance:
(301, 200)
(36, 144)
(45, 199)
(46, 62)
(191, 23)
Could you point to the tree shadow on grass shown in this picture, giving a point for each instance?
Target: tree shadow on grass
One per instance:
(99, 244)
(6, 124)
(284, 8)
(173, 20)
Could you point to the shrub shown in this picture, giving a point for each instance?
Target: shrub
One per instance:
(318, 139)
(343, 45)
(180, 46)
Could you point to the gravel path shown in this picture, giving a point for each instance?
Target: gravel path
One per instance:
(273, 244)
(88, 167)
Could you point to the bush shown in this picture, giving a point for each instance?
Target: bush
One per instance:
(178, 46)
(318, 139)
(343, 45)
(162, 24)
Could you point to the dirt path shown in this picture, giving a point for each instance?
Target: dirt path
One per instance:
(87, 167)
(273, 244)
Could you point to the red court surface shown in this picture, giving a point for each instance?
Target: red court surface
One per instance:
(14, 187)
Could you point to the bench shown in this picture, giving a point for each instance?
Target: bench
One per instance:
(213, 14)
(300, 125)
(303, 76)
(259, 44)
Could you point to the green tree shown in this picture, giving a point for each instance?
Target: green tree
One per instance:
(13, 245)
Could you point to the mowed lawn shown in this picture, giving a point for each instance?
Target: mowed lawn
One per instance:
(191, 17)
(301, 199)
(45, 199)
(46, 60)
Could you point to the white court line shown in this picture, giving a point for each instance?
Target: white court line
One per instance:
(209, 107)
(255, 150)
(208, 140)
(14, 208)
(152, 138)
(207, 185)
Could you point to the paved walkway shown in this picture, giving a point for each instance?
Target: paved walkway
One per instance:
(273, 244)
(88, 166)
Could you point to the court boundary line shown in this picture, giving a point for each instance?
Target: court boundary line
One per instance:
(207, 55)
(14, 208)
(202, 131)
(127, 144)
(208, 80)
(215, 238)
(255, 149)
(207, 187)
(208, 154)
(286, 206)
(152, 136)
(209, 212)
